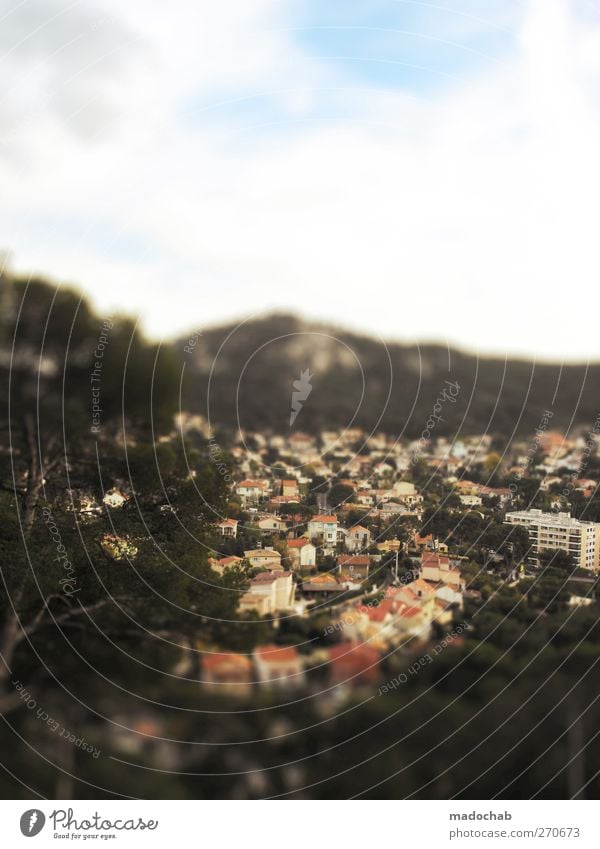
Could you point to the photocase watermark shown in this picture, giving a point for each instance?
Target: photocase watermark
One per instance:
(532, 449)
(424, 660)
(190, 346)
(68, 583)
(96, 374)
(217, 458)
(302, 388)
(448, 394)
(97, 823)
(53, 724)
(32, 822)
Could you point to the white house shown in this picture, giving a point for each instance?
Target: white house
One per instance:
(324, 529)
(278, 587)
(358, 538)
(250, 490)
(302, 553)
(228, 528)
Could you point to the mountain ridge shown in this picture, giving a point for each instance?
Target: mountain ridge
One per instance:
(245, 372)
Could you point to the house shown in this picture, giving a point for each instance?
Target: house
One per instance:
(279, 501)
(374, 624)
(443, 615)
(227, 673)
(321, 585)
(428, 543)
(263, 558)
(354, 566)
(412, 621)
(250, 490)
(449, 595)
(301, 553)
(279, 666)
(255, 603)
(466, 487)
(289, 488)
(393, 508)
(404, 489)
(115, 498)
(436, 568)
(431, 563)
(277, 587)
(354, 663)
(272, 523)
(301, 444)
(228, 528)
(389, 546)
(222, 563)
(470, 500)
(358, 538)
(324, 529)
(406, 493)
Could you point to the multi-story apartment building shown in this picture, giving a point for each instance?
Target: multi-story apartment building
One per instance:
(560, 531)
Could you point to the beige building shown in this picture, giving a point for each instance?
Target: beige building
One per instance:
(560, 531)
(264, 558)
(276, 587)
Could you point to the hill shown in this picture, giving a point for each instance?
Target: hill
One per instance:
(244, 374)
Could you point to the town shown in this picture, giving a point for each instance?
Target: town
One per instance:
(357, 549)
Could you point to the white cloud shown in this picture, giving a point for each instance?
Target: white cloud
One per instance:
(466, 214)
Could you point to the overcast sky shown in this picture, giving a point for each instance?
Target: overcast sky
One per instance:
(416, 170)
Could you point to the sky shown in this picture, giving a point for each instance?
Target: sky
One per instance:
(414, 170)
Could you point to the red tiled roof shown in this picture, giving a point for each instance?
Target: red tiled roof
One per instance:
(277, 654)
(227, 561)
(269, 577)
(353, 560)
(351, 659)
(298, 543)
(211, 661)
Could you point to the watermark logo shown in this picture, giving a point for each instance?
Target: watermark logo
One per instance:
(301, 390)
(32, 822)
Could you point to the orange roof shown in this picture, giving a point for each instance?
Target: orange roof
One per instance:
(323, 519)
(351, 659)
(323, 579)
(277, 654)
(298, 543)
(249, 483)
(433, 558)
(419, 539)
(211, 661)
(227, 561)
(354, 560)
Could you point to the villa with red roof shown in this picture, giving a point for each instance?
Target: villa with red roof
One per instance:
(280, 666)
(302, 553)
(228, 528)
